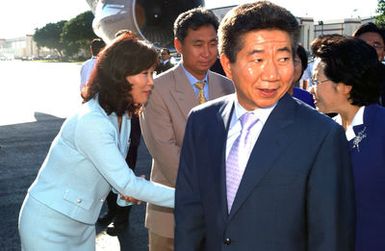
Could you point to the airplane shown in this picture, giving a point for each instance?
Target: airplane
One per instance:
(150, 19)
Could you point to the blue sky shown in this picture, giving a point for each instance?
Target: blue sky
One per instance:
(18, 18)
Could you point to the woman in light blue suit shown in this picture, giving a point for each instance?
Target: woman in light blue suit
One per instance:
(87, 158)
(348, 76)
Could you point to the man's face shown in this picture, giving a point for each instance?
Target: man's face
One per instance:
(164, 54)
(263, 69)
(375, 40)
(199, 50)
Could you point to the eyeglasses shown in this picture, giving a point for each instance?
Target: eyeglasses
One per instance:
(317, 82)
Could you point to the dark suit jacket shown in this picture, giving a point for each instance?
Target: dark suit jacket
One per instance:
(296, 193)
(163, 67)
(368, 159)
(303, 95)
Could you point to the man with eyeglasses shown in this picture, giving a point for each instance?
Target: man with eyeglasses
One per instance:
(373, 35)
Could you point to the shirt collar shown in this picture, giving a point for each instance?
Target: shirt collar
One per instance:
(358, 119)
(165, 61)
(261, 113)
(191, 78)
(113, 116)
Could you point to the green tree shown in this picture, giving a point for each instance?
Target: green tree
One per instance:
(49, 36)
(380, 18)
(77, 33)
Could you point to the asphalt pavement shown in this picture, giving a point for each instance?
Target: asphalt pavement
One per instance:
(23, 147)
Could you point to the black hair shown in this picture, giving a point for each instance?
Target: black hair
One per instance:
(301, 52)
(369, 27)
(165, 50)
(193, 19)
(353, 62)
(126, 56)
(96, 46)
(260, 15)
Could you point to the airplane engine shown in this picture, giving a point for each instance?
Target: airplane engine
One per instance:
(151, 19)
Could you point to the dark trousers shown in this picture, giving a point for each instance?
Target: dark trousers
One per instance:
(121, 214)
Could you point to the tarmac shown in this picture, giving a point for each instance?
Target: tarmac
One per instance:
(23, 148)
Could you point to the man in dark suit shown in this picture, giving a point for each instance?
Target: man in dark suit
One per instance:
(165, 61)
(244, 180)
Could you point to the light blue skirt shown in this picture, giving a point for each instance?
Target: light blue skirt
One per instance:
(42, 228)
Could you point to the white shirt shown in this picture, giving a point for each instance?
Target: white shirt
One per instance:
(357, 120)
(193, 80)
(86, 70)
(236, 127)
(164, 61)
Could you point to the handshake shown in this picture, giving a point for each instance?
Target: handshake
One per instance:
(128, 200)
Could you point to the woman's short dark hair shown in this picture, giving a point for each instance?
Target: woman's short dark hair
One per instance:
(126, 56)
(353, 62)
(261, 15)
(194, 19)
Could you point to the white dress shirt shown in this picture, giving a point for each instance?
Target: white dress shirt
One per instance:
(86, 70)
(235, 129)
(357, 120)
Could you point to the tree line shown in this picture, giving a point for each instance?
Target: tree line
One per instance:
(380, 18)
(67, 38)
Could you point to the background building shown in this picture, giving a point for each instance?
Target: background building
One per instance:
(311, 30)
(24, 48)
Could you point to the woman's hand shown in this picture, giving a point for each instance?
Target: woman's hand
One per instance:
(130, 199)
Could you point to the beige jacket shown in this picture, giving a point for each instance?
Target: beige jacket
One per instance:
(163, 125)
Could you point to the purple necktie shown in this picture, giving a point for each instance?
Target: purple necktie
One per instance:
(234, 170)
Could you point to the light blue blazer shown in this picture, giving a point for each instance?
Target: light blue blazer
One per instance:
(86, 160)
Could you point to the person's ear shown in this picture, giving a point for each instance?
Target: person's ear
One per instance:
(226, 65)
(344, 88)
(178, 46)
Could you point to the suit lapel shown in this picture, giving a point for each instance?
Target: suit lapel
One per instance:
(358, 129)
(183, 93)
(214, 90)
(225, 113)
(361, 130)
(271, 142)
(223, 118)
